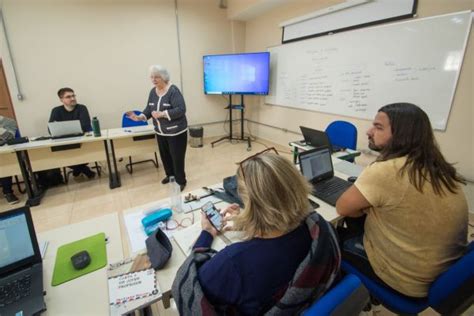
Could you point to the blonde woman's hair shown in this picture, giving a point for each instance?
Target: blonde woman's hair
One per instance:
(274, 193)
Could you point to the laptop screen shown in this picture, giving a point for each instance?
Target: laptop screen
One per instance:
(316, 164)
(18, 245)
(315, 138)
(15, 240)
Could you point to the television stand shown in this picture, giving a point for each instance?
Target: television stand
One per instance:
(231, 137)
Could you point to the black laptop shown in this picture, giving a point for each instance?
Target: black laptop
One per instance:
(316, 138)
(316, 166)
(21, 269)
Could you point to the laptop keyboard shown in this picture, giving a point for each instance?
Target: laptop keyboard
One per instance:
(15, 290)
(331, 186)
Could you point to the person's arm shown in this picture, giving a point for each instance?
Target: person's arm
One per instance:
(371, 189)
(146, 113)
(352, 203)
(85, 119)
(207, 234)
(179, 106)
(204, 240)
(53, 117)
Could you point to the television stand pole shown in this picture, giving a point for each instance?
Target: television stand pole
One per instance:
(231, 137)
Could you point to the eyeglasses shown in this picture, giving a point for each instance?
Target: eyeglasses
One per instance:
(69, 96)
(172, 224)
(254, 156)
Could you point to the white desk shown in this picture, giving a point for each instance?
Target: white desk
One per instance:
(8, 162)
(87, 295)
(48, 154)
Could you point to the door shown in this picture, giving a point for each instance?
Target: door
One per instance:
(6, 105)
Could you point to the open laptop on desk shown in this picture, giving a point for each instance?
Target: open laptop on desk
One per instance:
(65, 129)
(316, 138)
(316, 166)
(21, 269)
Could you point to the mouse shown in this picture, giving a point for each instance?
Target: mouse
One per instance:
(352, 179)
(81, 260)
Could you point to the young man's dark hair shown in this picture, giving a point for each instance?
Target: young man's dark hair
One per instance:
(62, 91)
(412, 136)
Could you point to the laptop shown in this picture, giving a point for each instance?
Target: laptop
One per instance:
(316, 138)
(316, 166)
(21, 268)
(65, 129)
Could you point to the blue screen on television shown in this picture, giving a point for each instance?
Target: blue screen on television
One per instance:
(237, 73)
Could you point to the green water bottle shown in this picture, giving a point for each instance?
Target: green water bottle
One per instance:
(96, 126)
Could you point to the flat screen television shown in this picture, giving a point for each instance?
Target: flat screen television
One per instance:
(237, 73)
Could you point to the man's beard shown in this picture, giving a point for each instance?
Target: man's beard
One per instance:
(373, 147)
(70, 107)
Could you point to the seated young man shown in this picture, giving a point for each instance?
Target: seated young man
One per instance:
(70, 110)
(416, 211)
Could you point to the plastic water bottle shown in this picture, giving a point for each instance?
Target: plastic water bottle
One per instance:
(96, 126)
(175, 196)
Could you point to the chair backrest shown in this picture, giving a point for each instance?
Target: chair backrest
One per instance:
(453, 291)
(348, 297)
(342, 134)
(126, 122)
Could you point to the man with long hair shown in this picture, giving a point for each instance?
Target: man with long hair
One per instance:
(414, 207)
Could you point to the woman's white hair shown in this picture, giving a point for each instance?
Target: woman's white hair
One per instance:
(158, 70)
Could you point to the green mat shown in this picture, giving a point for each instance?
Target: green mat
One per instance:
(63, 269)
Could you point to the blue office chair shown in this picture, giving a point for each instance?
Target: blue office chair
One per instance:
(342, 134)
(450, 294)
(348, 297)
(126, 122)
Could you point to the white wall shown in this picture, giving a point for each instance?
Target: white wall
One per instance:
(457, 142)
(102, 49)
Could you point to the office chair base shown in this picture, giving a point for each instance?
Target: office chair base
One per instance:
(230, 138)
(130, 164)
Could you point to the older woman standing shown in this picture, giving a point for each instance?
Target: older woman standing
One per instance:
(289, 258)
(167, 108)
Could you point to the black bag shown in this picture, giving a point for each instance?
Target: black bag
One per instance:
(49, 178)
(158, 248)
(230, 187)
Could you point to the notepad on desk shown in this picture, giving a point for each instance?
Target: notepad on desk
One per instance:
(132, 285)
(187, 237)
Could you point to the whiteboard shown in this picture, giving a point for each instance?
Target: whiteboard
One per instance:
(355, 73)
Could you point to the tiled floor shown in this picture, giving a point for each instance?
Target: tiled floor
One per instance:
(83, 199)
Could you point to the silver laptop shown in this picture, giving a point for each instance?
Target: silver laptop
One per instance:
(65, 129)
(21, 269)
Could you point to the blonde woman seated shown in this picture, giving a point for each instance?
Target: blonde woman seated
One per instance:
(289, 258)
